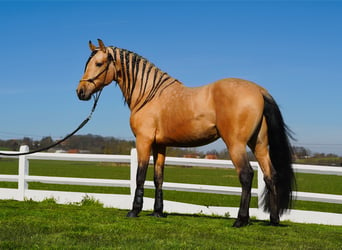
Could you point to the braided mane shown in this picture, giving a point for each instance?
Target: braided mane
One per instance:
(152, 80)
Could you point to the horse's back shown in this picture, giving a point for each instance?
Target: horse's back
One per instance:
(237, 94)
(236, 87)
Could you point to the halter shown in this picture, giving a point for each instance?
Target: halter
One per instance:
(92, 80)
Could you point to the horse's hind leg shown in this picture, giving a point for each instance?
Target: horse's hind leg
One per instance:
(259, 146)
(239, 158)
(159, 160)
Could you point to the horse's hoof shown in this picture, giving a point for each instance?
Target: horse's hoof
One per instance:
(158, 215)
(240, 223)
(274, 223)
(132, 214)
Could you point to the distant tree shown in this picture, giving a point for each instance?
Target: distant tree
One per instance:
(116, 146)
(13, 144)
(91, 143)
(301, 152)
(330, 155)
(212, 152)
(27, 141)
(46, 141)
(319, 155)
(224, 154)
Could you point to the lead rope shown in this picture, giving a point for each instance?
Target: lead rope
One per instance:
(96, 98)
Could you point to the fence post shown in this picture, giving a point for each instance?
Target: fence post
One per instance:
(134, 167)
(261, 186)
(23, 171)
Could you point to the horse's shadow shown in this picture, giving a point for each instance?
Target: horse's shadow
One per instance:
(253, 221)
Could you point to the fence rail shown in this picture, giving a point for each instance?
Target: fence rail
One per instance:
(125, 201)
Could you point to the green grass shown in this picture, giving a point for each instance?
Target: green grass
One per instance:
(46, 225)
(225, 177)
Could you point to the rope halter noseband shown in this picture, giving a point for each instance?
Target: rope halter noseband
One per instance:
(105, 70)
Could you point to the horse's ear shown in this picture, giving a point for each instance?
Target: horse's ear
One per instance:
(91, 46)
(101, 45)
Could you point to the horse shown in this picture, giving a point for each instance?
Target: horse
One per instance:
(164, 112)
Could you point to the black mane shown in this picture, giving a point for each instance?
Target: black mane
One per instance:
(131, 63)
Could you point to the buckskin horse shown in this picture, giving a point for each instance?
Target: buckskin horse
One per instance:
(164, 113)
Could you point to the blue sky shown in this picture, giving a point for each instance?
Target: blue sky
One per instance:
(294, 49)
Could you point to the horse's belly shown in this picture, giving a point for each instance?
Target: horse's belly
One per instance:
(189, 134)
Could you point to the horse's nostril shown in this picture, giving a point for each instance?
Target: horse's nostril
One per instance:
(80, 93)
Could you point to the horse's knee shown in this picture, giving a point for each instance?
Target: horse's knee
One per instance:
(141, 174)
(246, 176)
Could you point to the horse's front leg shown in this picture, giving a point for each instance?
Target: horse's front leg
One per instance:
(159, 160)
(143, 150)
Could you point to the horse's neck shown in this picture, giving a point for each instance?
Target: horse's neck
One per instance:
(150, 87)
(140, 80)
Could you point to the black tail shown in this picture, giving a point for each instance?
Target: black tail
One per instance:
(280, 154)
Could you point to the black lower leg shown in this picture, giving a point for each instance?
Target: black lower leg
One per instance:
(139, 191)
(273, 203)
(158, 203)
(246, 177)
(137, 203)
(159, 160)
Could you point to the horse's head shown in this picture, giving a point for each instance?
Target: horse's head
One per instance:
(99, 71)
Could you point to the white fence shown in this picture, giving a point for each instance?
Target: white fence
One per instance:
(125, 201)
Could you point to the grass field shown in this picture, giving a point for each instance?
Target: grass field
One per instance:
(46, 225)
(210, 176)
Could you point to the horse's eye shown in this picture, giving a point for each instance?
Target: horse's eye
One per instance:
(99, 64)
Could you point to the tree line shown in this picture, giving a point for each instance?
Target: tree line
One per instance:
(94, 144)
(97, 144)
(83, 143)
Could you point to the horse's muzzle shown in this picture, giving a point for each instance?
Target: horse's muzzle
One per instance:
(83, 94)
